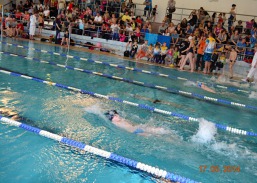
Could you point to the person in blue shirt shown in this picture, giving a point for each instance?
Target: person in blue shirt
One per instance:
(148, 7)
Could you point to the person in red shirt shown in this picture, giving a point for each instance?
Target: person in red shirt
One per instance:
(18, 15)
(19, 29)
(70, 6)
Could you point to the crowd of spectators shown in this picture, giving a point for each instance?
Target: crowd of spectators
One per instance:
(116, 20)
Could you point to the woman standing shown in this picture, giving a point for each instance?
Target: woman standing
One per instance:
(189, 55)
(32, 26)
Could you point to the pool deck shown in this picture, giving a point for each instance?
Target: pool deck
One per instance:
(83, 49)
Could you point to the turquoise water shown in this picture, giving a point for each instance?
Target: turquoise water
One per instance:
(26, 157)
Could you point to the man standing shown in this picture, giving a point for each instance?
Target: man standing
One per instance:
(61, 6)
(252, 71)
(232, 17)
(208, 51)
(32, 25)
(171, 9)
(58, 26)
(148, 7)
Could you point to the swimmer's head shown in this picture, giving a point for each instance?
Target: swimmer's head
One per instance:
(110, 114)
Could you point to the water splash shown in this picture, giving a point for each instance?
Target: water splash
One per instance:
(253, 95)
(206, 132)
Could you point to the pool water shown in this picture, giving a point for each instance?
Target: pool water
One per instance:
(181, 148)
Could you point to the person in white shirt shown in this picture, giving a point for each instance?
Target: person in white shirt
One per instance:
(61, 5)
(252, 71)
(98, 19)
(32, 25)
(115, 31)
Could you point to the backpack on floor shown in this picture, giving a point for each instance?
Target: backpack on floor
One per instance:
(126, 53)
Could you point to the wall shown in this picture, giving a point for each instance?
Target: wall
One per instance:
(243, 6)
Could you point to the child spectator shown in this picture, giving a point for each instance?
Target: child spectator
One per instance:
(149, 53)
(133, 50)
(19, 29)
(156, 53)
(175, 56)
(169, 57)
(221, 63)
(138, 33)
(122, 36)
(143, 50)
(164, 49)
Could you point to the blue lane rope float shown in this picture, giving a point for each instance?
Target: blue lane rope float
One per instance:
(232, 89)
(141, 106)
(99, 152)
(149, 85)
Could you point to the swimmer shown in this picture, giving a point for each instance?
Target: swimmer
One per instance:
(114, 117)
(200, 85)
(204, 87)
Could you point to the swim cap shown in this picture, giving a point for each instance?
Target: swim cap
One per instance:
(110, 114)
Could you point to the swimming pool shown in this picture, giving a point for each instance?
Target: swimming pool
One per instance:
(180, 149)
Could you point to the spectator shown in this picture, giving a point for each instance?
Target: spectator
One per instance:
(61, 6)
(58, 27)
(148, 7)
(169, 57)
(183, 23)
(126, 17)
(208, 51)
(232, 17)
(163, 53)
(143, 50)
(122, 36)
(234, 38)
(149, 54)
(200, 53)
(188, 31)
(171, 28)
(32, 26)
(46, 12)
(171, 9)
(98, 20)
(115, 31)
(239, 27)
(154, 13)
(179, 30)
(183, 46)
(175, 38)
(156, 53)
(166, 33)
(222, 37)
(162, 28)
(193, 19)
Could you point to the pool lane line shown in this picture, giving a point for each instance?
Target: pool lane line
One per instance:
(154, 171)
(140, 106)
(149, 85)
(232, 89)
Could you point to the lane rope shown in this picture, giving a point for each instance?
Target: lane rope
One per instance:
(232, 89)
(141, 106)
(149, 85)
(99, 152)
